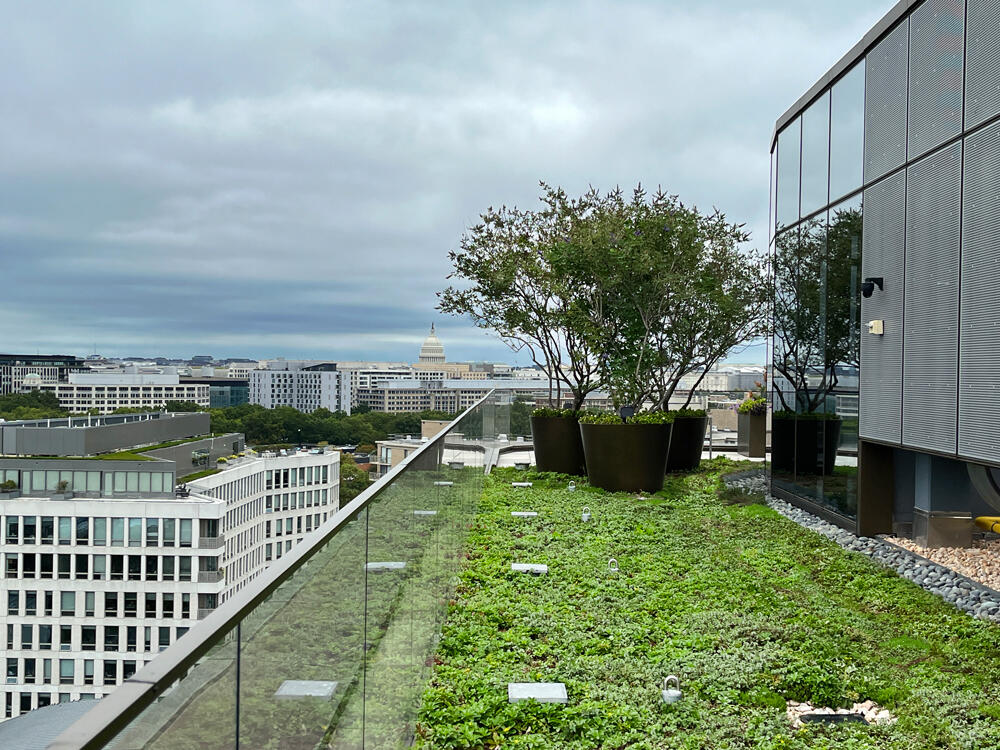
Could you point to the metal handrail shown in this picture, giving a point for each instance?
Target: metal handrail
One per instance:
(115, 711)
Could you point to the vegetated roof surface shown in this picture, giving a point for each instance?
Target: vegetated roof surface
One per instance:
(748, 608)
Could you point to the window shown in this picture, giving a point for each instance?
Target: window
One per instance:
(151, 605)
(47, 529)
(168, 605)
(45, 637)
(185, 525)
(67, 603)
(164, 637)
(26, 637)
(81, 566)
(88, 672)
(169, 532)
(65, 531)
(82, 530)
(117, 532)
(111, 604)
(89, 603)
(131, 603)
(184, 566)
(66, 671)
(151, 567)
(135, 567)
(45, 569)
(12, 526)
(117, 567)
(100, 532)
(10, 564)
(13, 602)
(152, 532)
(30, 602)
(88, 638)
(168, 568)
(65, 637)
(110, 637)
(111, 671)
(100, 567)
(65, 566)
(134, 532)
(28, 529)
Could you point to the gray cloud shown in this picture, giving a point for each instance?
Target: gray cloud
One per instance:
(265, 179)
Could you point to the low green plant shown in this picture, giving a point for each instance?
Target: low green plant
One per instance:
(606, 417)
(545, 411)
(688, 414)
(755, 407)
(653, 417)
(8, 485)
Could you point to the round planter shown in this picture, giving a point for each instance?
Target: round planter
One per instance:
(625, 457)
(687, 441)
(558, 445)
(804, 446)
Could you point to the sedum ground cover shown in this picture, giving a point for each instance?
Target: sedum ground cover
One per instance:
(749, 609)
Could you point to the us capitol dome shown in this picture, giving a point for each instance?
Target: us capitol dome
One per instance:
(432, 352)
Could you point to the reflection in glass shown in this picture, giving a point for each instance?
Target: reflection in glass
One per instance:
(847, 132)
(816, 357)
(789, 146)
(815, 155)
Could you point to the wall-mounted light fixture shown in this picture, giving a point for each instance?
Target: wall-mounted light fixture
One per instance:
(869, 284)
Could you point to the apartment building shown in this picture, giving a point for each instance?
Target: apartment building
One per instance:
(106, 562)
(302, 385)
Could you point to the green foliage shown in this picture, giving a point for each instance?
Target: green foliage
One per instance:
(605, 417)
(32, 405)
(353, 480)
(653, 417)
(182, 406)
(285, 426)
(197, 475)
(544, 411)
(747, 607)
(8, 485)
(688, 414)
(754, 406)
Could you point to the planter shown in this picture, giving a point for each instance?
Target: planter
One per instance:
(751, 430)
(626, 457)
(558, 445)
(10, 494)
(804, 446)
(687, 441)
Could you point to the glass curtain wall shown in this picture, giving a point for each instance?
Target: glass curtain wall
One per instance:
(815, 348)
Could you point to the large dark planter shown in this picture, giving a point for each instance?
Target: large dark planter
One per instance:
(751, 430)
(626, 457)
(687, 441)
(558, 445)
(796, 445)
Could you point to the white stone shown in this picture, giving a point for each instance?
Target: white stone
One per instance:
(376, 566)
(523, 513)
(521, 484)
(425, 512)
(543, 692)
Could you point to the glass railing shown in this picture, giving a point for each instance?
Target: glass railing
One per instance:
(333, 645)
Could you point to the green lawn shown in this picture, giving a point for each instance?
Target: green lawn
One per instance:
(747, 607)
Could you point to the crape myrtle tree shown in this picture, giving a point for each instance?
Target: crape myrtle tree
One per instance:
(505, 282)
(661, 290)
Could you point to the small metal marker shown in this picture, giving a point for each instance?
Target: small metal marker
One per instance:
(585, 516)
(425, 512)
(524, 513)
(534, 568)
(612, 565)
(543, 692)
(520, 484)
(572, 487)
(671, 694)
(377, 566)
(443, 484)
(306, 689)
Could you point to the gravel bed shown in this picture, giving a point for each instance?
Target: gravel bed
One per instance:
(966, 594)
(980, 562)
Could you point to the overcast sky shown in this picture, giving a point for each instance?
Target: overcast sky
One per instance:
(286, 178)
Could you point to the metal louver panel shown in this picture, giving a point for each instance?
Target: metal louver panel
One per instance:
(982, 77)
(930, 341)
(885, 104)
(979, 356)
(937, 40)
(882, 250)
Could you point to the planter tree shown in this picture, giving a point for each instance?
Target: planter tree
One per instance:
(506, 283)
(662, 290)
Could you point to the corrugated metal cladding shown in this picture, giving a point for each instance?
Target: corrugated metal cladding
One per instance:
(930, 336)
(882, 248)
(982, 83)
(885, 104)
(937, 40)
(979, 362)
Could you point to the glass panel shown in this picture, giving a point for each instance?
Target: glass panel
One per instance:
(144, 481)
(816, 155)
(843, 315)
(789, 147)
(847, 132)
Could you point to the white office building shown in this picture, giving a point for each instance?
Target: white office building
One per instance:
(106, 564)
(107, 391)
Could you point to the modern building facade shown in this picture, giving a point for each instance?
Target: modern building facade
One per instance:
(222, 391)
(106, 561)
(48, 368)
(106, 391)
(302, 385)
(886, 222)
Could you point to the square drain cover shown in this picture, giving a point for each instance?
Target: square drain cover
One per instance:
(543, 692)
(306, 689)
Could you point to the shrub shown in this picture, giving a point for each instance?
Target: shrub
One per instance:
(544, 411)
(606, 417)
(8, 485)
(754, 406)
(62, 486)
(221, 460)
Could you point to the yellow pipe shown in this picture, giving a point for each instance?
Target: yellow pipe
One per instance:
(990, 523)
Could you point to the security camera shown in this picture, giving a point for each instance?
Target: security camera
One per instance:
(869, 284)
